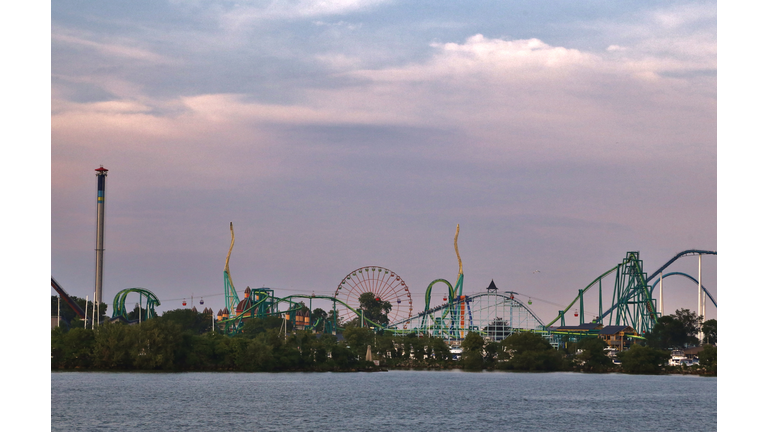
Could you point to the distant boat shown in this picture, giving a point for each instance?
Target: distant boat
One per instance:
(679, 359)
(456, 353)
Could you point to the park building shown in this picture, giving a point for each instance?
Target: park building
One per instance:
(618, 337)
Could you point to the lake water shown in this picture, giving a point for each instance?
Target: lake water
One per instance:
(383, 401)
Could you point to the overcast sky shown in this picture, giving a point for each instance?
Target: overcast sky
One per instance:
(341, 134)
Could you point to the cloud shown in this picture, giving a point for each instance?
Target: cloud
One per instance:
(122, 50)
(236, 15)
(517, 99)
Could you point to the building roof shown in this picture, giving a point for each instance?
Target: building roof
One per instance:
(693, 350)
(610, 330)
(581, 327)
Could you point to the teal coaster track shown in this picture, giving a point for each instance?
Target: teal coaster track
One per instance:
(489, 313)
(147, 302)
(632, 302)
(261, 303)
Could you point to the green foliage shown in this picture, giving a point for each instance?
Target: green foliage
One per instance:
(77, 349)
(158, 341)
(492, 350)
(708, 358)
(472, 360)
(709, 328)
(255, 326)
(113, 346)
(440, 350)
(473, 342)
(188, 319)
(358, 339)
(692, 324)
(375, 310)
(526, 341)
(531, 352)
(667, 333)
(593, 356)
(472, 352)
(641, 359)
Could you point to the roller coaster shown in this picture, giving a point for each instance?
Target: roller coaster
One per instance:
(632, 302)
(492, 314)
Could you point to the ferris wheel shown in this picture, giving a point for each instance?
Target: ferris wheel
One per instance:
(385, 284)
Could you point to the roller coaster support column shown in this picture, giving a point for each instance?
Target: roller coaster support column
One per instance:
(562, 318)
(600, 288)
(581, 306)
(334, 318)
(702, 301)
(661, 293)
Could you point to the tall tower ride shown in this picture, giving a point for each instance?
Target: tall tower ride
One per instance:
(101, 186)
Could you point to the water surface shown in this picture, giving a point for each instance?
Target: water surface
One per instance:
(394, 400)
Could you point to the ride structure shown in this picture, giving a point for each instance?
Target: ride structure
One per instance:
(492, 315)
(146, 305)
(386, 286)
(632, 303)
(489, 313)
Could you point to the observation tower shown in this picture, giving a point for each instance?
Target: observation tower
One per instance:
(101, 186)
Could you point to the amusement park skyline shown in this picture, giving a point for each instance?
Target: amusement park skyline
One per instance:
(343, 134)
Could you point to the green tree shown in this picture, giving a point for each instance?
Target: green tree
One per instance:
(692, 324)
(255, 326)
(640, 359)
(492, 350)
(156, 345)
(709, 328)
(473, 342)
(440, 349)
(708, 358)
(472, 351)
(113, 346)
(257, 356)
(358, 339)
(593, 354)
(532, 352)
(188, 320)
(668, 332)
(77, 349)
(374, 308)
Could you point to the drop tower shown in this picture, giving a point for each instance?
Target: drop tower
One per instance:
(101, 187)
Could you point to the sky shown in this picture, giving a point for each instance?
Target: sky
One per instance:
(341, 134)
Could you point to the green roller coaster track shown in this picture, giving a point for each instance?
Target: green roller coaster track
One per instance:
(147, 302)
(264, 303)
(632, 302)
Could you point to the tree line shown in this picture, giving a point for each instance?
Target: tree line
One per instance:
(183, 340)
